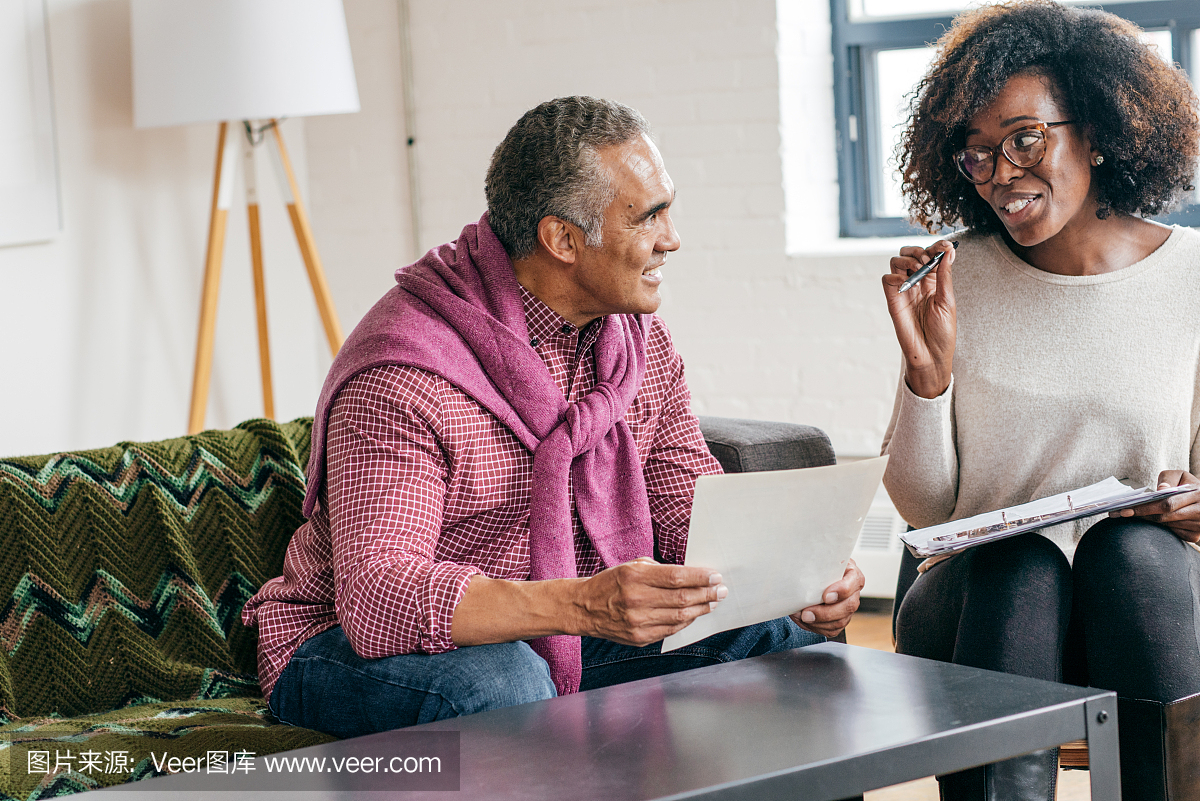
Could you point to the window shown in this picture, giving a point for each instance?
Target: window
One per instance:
(881, 49)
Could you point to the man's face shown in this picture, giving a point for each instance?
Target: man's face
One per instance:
(622, 275)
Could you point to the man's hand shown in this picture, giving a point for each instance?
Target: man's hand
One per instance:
(1180, 513)
(841, 601)
(640, 602)
(635, 603)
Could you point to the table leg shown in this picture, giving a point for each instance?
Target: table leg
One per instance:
(1104, 757)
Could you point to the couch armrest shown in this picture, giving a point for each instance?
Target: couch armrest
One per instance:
(743, 446)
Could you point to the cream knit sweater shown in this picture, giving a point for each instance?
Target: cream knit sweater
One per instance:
(1059, 381)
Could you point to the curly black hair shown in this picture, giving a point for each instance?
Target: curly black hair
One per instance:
(1136, 109)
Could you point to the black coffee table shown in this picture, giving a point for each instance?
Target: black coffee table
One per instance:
(820, 723)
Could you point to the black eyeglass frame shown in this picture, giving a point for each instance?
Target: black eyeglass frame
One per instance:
(1039, 126)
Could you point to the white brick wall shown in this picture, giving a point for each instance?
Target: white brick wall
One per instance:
(806, 112)
(359, 177)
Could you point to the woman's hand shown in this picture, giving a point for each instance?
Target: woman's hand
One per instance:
(1180, 513)
(924, 318)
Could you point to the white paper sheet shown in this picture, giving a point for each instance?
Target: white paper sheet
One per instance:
(777, 538)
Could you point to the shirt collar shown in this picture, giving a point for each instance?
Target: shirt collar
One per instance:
(544, 323)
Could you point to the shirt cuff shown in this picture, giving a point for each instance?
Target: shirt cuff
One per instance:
(928, 419)
(947, 393)
(446, 583)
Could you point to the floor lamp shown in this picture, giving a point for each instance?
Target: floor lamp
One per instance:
(238, 62)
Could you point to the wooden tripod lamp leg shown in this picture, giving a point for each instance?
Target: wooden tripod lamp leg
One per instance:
(308, 247)
(221, 200)
(260, 284)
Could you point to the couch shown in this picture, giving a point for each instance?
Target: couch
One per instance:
(123, 576)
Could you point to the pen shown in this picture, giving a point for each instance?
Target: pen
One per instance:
(913, 279)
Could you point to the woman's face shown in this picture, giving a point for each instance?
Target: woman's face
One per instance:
(1036, 203)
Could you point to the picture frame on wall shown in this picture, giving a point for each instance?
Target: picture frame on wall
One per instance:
(30, 206)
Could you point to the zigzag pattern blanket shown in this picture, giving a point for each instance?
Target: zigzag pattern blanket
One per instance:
(122, 575)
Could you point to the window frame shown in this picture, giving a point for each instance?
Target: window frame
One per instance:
(854, 46)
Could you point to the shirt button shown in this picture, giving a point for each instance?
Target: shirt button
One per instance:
(533, 343)
(568, 328)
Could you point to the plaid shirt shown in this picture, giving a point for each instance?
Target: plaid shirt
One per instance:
(425, 488)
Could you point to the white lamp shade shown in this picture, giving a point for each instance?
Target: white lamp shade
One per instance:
(212, 60)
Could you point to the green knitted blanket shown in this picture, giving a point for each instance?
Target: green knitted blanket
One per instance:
(123, 572)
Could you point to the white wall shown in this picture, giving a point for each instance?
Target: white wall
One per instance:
(359, 174)
(99, 325)
(803, 338)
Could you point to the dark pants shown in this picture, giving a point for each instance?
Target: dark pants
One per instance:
(328, 687)
(1126, 617)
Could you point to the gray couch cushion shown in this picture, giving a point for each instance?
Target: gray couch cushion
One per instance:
(743, 446)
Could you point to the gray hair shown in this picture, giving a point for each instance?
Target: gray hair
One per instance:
(549, 165)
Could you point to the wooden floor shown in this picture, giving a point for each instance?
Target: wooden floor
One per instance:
(874, 630)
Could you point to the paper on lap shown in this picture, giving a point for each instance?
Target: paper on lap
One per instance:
(777, 538)
(1104, 496)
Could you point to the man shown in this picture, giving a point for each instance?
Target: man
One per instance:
(504, 452)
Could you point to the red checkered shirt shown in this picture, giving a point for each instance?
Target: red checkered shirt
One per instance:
(425, 488)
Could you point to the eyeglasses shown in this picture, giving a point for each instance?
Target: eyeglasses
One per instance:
(1024, 148)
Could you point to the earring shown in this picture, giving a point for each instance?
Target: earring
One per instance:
(1099, 160)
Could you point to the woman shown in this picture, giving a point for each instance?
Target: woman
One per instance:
(1057, 346)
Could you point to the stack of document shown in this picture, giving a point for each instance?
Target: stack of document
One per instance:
(1108, 495)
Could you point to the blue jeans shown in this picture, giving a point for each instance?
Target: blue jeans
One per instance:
(328, 687)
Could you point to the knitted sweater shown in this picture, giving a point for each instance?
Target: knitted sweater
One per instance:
(1059, 382)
